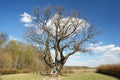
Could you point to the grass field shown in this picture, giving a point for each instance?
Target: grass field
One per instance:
(75, 76)
(20, 77)
(89, 76)
(82, 74)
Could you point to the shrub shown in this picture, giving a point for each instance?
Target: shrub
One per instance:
(8, 71)
(25, 71)
(113, 70)
(67, 71)
(14, 71)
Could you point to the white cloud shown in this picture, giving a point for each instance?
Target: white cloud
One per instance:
(74, 21)
(13, 38)
(40, 32)
(27, 19)
(101, 48)
(75, 56)
(110, 54)
(29, 25)
(72, 62)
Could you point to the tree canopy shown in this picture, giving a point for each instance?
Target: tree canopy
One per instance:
(56, 31)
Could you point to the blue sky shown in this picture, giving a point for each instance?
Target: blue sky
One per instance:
(105, 14)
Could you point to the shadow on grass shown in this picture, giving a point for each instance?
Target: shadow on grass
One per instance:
(115, 76)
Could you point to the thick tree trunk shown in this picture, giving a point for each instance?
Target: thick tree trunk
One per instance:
(57, 67)
(55, 71)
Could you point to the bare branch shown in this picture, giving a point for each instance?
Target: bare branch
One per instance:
(47, 13)
(61, 33)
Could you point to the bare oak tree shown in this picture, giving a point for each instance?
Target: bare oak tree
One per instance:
(59, 36)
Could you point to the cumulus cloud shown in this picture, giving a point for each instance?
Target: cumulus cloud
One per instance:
(27, 19)
(110, 54)
(72, 62)
(103, 54)
(69, 26)
(75, 56)
(50, 24)
(29, 25)
(101, 48)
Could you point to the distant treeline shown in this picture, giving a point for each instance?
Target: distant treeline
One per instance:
(73, 69)
(16, 56)
(77, 67)
(112, 70)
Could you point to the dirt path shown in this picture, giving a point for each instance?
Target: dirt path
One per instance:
(52, 78)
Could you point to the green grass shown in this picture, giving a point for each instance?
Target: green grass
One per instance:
(75, 76)
(20, 77)
(89, 76)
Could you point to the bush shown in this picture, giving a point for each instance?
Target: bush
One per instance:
(8, 71)
(112, 70)
(67, 72)
(25, 71)
(14, 71)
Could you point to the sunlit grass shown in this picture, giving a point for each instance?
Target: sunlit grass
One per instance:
(20, 77)
(75, 76)
(89, 76)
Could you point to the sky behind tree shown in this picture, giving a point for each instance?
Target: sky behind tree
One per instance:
(105, 14)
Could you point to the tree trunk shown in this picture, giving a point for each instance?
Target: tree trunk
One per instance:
(57, 67)
(55, 71)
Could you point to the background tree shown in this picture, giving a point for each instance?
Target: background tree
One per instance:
(58, 32)
(5, 59)
(3, 37)
(14, 50)
(21, 53)
(39, 65)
